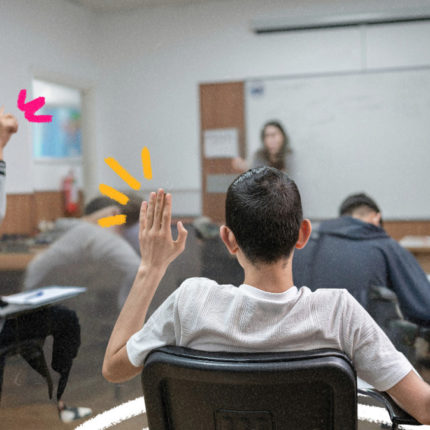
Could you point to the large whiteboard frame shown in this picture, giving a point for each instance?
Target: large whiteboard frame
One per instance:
(351, 132)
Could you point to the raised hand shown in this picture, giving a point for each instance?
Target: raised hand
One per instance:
(239, 165)
(157, 247)
(8, 126)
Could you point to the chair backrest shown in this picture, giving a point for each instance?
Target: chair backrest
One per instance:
(185, 389)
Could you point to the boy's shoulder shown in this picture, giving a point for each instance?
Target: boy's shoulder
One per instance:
(200, 288)
(332, 297)
(329, 292)
(197, 283)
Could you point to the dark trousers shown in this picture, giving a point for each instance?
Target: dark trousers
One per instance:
(58, 321)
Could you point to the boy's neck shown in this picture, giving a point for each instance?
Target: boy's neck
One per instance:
(274, 278)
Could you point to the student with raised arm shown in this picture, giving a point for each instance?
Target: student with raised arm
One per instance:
(58, 321)
(8, 126)
(264, 225)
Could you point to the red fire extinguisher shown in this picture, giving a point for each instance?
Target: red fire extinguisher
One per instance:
(71, 193)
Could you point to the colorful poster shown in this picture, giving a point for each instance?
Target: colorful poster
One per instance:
(61, 138)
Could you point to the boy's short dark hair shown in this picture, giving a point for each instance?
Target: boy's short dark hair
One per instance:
(98, 203)
(356, 201)
(264, 211)
(131, 210)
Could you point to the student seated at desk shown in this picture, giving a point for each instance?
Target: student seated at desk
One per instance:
(354, 252)
(57, 321)
(87, 255)
(267, 312)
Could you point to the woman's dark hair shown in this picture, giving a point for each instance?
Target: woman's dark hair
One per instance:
(264, 211)
(279, 162)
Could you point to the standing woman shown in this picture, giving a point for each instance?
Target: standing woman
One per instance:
(274, 151)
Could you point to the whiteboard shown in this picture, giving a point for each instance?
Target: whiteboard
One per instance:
(358, 132)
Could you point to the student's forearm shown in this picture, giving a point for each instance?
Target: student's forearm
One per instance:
(131, 319)
(413, 395)
(157, 249)
(134, 311)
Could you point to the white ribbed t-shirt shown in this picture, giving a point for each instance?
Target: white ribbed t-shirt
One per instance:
(204, 315)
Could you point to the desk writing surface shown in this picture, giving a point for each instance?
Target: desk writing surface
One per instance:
(12, 310)
(18, 261)
(416, 244)
(419, 246)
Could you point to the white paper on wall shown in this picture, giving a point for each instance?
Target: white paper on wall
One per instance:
(221, 143)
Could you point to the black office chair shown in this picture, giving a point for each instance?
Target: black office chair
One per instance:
(383, 306)
(186, 389)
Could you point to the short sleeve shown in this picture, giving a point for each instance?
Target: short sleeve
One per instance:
(375, 358)
(161, 329)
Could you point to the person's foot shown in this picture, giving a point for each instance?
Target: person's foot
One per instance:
(68, 414)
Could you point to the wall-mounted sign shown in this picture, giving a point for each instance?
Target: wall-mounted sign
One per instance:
(221, 143)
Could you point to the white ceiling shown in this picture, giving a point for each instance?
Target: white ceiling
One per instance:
(116, 5)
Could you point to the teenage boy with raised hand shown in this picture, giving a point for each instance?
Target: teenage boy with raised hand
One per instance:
(267, 312)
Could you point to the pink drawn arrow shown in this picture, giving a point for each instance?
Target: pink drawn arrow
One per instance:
(30, 108)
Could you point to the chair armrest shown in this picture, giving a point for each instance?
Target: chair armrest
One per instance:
(378, 292)
(424, 332)
(397, 414)
(406, 330)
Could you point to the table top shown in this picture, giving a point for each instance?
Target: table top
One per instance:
(12, 310)
(416, 244)
(18, 261)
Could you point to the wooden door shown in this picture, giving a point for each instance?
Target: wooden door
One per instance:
(221, 107)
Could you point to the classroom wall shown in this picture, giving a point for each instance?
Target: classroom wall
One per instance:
(47, 39)
(144, 67)
(156, 58)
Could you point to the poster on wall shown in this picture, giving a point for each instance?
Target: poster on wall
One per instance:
(60, 139)
(221, 143)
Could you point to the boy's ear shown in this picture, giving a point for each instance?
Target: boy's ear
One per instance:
(304, 234)
(377, 219)
(227, 236)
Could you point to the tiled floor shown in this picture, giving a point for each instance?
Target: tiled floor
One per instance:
(25, 404)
